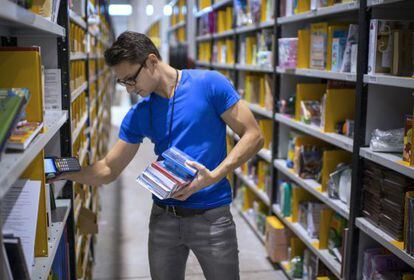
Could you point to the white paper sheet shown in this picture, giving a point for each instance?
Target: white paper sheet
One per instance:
(19, 210)
(53, 89)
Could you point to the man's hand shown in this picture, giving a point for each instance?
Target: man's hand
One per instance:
(203, 179)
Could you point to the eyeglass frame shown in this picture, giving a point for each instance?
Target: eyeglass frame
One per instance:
(133, 80)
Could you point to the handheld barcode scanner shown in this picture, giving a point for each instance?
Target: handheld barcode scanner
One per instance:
(55, 166)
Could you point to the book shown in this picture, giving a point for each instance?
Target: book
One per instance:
(161, 168)
(23, 135)
(11, 107)
(303, 56)
(164, 178)
(176, 159)
(15, 257)
(335, 31)
(318, 45)
(381, 44)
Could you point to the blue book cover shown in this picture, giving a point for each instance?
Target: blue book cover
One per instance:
(175, 159)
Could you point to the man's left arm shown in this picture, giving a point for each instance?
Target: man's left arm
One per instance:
(241, 120)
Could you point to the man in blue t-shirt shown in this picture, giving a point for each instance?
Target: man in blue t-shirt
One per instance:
(188, 109)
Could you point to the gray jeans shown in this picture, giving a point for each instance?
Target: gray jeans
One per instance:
(211, 236)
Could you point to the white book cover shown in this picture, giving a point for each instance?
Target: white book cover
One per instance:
(19, 211)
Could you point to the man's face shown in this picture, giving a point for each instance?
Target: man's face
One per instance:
(136, 78)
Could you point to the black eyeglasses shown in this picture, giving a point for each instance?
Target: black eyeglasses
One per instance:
(133, 80)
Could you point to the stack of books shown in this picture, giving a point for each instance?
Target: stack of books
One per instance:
(164, 178)
(12, 101)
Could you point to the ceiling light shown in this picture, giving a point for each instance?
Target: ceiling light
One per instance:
(149, 10)
(120, 9)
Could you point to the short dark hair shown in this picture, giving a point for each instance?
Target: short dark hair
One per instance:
(132, 47)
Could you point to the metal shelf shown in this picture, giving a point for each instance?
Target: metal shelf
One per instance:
(77, 19)
(389, 160)
(222, 66)
(203, 38)
(327, 11)
(43, 264)
(223, 34)
(384, 239)
(203, 63)
(251, 225)
(27, 22)
(266, 155)
(329, 260)
(78, 56)
(255, 68)
(213, 7)
(254, 27)
(12, 165)
(75, 93)
(284, 266)
(388, 80)
(260, 110)
(314, 188)
(177, 26)
(79, 127)
(351, 77)
(335, 139)
(252, 186)
(372, 3)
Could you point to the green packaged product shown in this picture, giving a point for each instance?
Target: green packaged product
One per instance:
(336, 230)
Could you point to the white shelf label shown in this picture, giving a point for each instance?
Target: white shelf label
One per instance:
(350, 77)
(372, 79)
(352, 5)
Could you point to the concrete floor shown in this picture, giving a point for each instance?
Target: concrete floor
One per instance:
(121, 248)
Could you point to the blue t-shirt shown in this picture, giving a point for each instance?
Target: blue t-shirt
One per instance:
(198, 130)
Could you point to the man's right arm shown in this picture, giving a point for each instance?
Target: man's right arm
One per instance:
(107, 169)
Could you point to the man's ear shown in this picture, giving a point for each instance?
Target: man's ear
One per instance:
(152, 61)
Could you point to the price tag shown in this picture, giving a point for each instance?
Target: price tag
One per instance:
(350, 77)
(352, 5)
(376, 2)
(372, 79)
(315, 244)
(369, 156)
(318, 188)
(399, 245)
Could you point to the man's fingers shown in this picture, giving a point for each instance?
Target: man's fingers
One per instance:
(194, 164)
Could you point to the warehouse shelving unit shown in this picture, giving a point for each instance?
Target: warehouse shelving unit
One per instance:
(360, 229)
(60, 130)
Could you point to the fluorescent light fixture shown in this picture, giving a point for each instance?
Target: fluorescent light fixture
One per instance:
(168, 10)
(149, 10)
(120, 10)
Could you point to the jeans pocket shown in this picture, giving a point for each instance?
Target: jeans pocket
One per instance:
(218, 216)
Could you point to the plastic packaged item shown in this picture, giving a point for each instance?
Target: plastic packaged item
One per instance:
(408, 139)
(387, 140)
(335, 235)
(287, 106)
(310, 162)
(345, 183)
(334, 180)
(351, 40)
(288, 50)
(311, 112)
(296, 264)
(286, 199)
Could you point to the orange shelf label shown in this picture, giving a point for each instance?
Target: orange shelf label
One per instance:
(398, 244)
